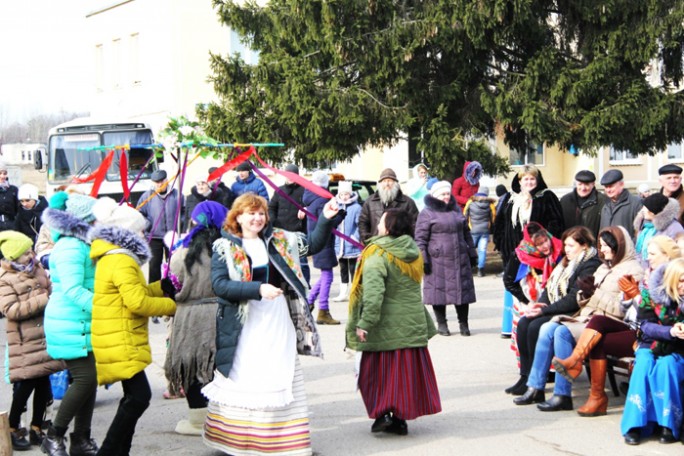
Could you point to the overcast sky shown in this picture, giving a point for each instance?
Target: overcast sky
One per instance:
(44, 63)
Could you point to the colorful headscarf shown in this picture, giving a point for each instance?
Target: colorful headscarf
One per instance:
(205, 215)
(529, 254)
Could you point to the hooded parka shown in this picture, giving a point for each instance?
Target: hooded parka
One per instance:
(122, 304)
(23, 298)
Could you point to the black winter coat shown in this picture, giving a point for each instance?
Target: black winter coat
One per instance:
(282, 213)
(9, 206)
(586, 213)
(29, 221)
(546, 210)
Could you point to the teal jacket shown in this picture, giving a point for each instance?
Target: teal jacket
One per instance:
(68, 314)
(391, 309)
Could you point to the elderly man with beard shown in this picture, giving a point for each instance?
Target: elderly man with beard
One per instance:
(583, 205)
(670, 178)
(388, 196)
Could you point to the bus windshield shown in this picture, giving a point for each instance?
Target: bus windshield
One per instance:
(70, 157)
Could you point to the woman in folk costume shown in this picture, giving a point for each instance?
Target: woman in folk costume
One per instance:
(390, 326)
(24, 291)
(192, 344)
(655, 400)
(257, 402)
(123, 302)
(525, 277)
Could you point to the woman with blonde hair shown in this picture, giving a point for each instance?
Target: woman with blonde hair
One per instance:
(655, 387)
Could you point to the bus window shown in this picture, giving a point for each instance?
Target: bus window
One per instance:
(70, 160)
(137, 156)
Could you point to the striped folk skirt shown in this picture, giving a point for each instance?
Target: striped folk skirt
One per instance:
(273, 431)
(400, 381)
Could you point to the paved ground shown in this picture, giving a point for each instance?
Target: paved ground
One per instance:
(477, 416)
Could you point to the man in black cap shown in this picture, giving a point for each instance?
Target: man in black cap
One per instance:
(283, 214)
(670, 178)
(621, 207)
(204, 190)
(160, 212)
(388, 195)
(583, 205)
(246, 182)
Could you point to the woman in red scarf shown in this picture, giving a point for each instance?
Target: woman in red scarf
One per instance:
(525, 277)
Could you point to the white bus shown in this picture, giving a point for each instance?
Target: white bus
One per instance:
(75, 150)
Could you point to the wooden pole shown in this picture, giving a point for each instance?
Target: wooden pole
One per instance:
(5, 441)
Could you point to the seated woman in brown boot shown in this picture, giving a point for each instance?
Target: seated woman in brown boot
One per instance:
(559, 335)
(607, 336)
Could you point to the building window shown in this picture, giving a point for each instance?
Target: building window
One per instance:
(134, 56)
(117, 69)
(532, 155)
(99, 68)
(623, 156)
(675, 152)
(29, 155)
(23, 155)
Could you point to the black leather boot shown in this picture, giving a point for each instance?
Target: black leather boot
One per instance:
(82, 445)
(531, 396)
(556, 403)
(19, 441)
(519, 388)
(381, 424)
(463, 328)
(53, 444)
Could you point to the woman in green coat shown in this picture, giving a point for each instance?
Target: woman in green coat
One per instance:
(390, 326)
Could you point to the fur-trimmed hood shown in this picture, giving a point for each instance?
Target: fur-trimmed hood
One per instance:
(108, 240)
(439, 205)
(483, 198)
(663, 219)
(63, 223)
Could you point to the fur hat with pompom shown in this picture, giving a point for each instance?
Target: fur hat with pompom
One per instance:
(109, 212)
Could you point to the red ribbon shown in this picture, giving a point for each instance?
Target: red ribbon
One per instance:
(320, 191)
(123, 172)
(230, 164)
(98, 175)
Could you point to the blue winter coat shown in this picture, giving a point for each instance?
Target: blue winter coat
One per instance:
(326, 258)
(68, 313)
(350, 227)
(163, 208)
(251, 184)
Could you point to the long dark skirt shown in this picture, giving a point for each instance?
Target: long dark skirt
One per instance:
(400, 381)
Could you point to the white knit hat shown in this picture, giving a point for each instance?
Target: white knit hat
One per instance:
(108, 212)
(344, 187)
(439, 187)
(27, 192)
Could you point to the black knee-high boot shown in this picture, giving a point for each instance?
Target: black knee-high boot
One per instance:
(440, 315)
(462, 313)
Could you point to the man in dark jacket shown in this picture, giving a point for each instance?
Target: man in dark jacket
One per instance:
(160, 212)
(207, 191)
(583, 205)
(387, 196)
(246, 181)
(670, 178)
(283, 214)
(9, 203)
(621, 207)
